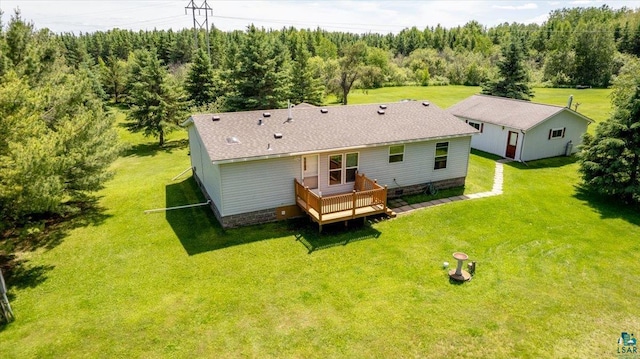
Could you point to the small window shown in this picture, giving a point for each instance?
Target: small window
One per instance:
(396, 153)
(442, 150)
(477, 125)
(556, 133)
(335, 169)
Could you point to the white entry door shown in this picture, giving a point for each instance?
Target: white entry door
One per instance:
(310, 171)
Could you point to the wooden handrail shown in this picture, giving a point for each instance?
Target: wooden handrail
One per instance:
(366, 193)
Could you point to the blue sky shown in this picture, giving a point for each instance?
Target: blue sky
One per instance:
(353, 16)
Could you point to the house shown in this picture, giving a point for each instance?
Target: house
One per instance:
(521, 130)
(332, 163)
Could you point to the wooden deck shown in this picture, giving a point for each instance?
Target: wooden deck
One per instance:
(367, 198)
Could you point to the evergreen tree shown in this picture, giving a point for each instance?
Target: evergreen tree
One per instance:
(513, 80)
(305, 87)
(56, 144)
(157, 106)
(18, 36)
(87, 142)
(113, 77)
(610, 160)
(29, 182)
(259, 78)
(200, 84)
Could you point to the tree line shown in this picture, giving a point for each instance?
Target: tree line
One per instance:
(57, 136)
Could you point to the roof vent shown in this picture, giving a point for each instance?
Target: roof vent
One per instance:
(277, 135)
(324, 110)
(380, 112)
(233, 140)
(384, 107)
(425, 103)
(215, 118)
(266, 114)
(269, 147)
(260, 122)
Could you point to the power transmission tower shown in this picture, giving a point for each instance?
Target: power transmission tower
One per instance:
(206, 8)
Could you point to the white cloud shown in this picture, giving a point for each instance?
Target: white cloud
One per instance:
(538, 19)
(528, 6)
(357, 16)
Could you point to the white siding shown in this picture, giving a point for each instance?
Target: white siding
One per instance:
(256, 185)
(538, 145)
(248, 186)
(208, 173)
(416, 168)
(493, 139)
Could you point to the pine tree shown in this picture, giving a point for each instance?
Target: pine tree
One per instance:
(56, 143)
(610, 160)
(157, 105)
(259, 77)
(513, 80)
(29, 182)
(113, 76)
(305, 87)
(200, 82)
(18, 36)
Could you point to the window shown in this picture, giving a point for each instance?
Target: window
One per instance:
(335, 169)
(556, 133)
(396, 153)
(343, 163)
(477, 125)
(352, 167)
(442, 149)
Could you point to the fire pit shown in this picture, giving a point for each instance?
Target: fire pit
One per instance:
(459, 274)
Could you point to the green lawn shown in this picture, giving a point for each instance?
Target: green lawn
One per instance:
(555, 274)
(594, 103)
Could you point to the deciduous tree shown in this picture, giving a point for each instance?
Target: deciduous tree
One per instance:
(350, 68)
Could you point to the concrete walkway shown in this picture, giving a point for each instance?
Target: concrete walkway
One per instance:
(399, 206)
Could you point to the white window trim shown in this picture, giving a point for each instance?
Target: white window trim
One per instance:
(396, 154)
(435, 156)
(343, 169)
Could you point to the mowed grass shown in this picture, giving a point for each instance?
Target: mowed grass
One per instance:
(555, 276)
(593, 103)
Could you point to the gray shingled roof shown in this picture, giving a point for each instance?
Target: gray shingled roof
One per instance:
(518, 114)
(313, 131)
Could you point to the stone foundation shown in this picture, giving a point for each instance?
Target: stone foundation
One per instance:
(270, 215)
(246, 219)
(396, 192)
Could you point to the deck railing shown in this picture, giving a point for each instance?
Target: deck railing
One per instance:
(366, 193)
